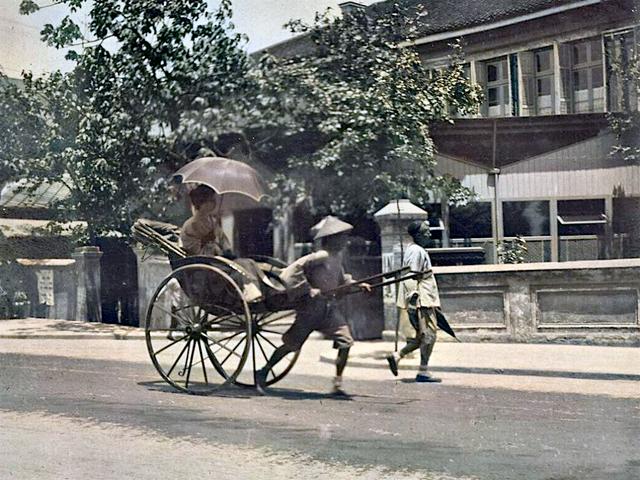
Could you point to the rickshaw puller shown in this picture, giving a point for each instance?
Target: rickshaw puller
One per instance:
(306, 279)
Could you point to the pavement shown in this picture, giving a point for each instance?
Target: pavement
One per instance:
(571, 369)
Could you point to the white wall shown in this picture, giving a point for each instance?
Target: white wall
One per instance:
(582, 170)
(470, 175)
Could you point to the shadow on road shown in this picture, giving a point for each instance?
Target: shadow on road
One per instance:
(539, 373)
(234, 391)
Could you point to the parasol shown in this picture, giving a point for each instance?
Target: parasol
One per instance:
(239, 185)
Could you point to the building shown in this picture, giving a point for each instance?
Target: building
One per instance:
(537, 154)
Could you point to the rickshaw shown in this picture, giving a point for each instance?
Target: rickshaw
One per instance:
(213, 321)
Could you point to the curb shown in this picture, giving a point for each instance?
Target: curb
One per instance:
(73, 336)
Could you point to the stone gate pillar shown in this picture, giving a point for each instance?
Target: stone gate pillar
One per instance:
(88, 306)
(393, 220)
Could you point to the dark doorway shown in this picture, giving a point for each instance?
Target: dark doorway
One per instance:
(254, 232)
(118, 282)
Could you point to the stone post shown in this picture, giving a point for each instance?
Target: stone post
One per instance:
(88, 301)
(393, 220)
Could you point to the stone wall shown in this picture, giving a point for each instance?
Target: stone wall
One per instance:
(50, 285)
(152, 270)
(573, 302)
(570, 302)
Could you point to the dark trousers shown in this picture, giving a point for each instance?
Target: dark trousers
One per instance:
(424, 321)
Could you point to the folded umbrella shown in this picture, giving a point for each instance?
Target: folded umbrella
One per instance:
(443, 324)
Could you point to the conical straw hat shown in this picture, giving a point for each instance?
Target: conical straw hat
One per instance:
(328, 226)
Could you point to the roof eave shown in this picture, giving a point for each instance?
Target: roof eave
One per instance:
(447, 35)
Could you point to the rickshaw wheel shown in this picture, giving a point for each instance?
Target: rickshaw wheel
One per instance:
(196, 329)
(268, 329)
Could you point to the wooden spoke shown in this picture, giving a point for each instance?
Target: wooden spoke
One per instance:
(193, 350)
(204, 368)
(267, 340)
(222, 346)
(170, 345)
(279, 317)
(271, 331)
(178, 358)
(232, 351)
(171, 314)
(186, 360)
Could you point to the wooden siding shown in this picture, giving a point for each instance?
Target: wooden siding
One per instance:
(582, 170)
(471, 176)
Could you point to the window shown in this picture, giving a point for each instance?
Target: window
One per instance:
(436, 226)
(587, 81)
(470, 221)
(529, 219)
(581, 217)
(543, 60)
(497, 92)
(621, 88)
(466, 71)
(626, 211)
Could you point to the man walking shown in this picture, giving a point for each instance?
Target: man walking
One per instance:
(418, 298)
(306, 280)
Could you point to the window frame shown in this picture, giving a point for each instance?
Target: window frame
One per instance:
(548, 74)
(504, 96)
(588, 67)
(507, 228)
(581, 217)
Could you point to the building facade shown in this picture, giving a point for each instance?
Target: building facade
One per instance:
(537, 154)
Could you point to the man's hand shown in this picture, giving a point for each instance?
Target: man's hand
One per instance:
(315, 292)
(365, 287)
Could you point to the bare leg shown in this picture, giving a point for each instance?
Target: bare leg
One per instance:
(341, 361)
(427, 343)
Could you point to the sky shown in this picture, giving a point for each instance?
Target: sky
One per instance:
(262, 20)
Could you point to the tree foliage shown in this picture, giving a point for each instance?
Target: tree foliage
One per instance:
(513, 251)
(108, 128)
(625, 123)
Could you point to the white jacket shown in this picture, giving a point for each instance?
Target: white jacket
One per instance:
(417, 259)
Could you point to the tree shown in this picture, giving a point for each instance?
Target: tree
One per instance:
(623, 59)
(346, 121)
(624, 63)
(513, 251)
(109, 128)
